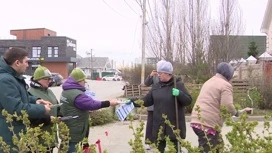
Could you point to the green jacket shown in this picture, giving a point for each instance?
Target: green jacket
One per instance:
(78, 127)
(48, 95)
(15, 98)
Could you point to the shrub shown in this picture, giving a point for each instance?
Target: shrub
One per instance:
(194, 90)
(28, 140)
(101, 117)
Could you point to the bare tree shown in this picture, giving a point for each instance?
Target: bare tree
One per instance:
(161, 31)
(224, 44)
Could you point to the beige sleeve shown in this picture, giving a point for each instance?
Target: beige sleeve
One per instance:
(227, 99)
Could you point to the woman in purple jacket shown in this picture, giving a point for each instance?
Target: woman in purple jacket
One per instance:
(77, 103)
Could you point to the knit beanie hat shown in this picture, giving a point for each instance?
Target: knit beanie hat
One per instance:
(225, 69)
(41, 72)
(78, 74)
(164, 67)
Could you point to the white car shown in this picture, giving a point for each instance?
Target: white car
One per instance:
(27, 79)
(112, 78)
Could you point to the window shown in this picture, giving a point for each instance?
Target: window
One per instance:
(53, 51)
(36, 51)
(56, 51)
(49, 51)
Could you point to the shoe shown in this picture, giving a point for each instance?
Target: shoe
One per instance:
(147, 147)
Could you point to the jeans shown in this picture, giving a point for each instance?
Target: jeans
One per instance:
(72, 147)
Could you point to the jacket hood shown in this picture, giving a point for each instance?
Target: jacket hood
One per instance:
(71, 83)
(36, 84)
(5, 68)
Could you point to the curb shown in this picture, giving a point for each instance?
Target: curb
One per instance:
(188, 118)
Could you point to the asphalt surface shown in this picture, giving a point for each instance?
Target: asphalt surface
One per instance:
(114, 137)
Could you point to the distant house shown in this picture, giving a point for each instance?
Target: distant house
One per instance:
(96, 66)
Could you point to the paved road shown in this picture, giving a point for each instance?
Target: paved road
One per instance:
(104, 89)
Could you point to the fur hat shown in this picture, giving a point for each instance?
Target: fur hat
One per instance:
(78, 74)
(41, 72)
(164, 67)
(225, 69)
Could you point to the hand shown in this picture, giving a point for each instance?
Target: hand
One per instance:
(47, 109)
(247, 110)
(175, 92)
(113, 102)
(43, 102)
(154, 72)
(52, 118)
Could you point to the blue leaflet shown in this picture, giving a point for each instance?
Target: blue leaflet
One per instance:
(123, 110)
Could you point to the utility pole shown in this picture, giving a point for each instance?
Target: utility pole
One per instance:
(143, 41)
(90, 54)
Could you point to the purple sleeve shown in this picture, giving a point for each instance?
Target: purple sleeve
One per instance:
(85, 102)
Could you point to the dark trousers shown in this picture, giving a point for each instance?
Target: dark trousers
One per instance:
(208, 142)
(149, 126)
(162, 145)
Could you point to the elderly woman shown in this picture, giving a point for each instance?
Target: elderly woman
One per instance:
(77, 103)
(163, 95)
(39, 88)
(215, 93)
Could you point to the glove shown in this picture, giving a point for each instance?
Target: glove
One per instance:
(175, 92)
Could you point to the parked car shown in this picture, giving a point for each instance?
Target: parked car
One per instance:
(112, 77)
(57, 79)
(27, 80)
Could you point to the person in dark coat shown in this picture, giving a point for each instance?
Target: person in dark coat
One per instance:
(14, 96)
(151, 79)
(39, 87)
(162, 96)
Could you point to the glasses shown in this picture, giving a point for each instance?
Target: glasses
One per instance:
(47, 79)
(160, 73)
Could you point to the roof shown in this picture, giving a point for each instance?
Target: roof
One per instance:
(97, 62)
(267, 17)
(251, 58)
(265, 56)
(242, 60)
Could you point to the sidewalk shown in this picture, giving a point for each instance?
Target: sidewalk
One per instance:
(119, 134)
(114, 137)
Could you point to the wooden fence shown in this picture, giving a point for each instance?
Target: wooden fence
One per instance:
(239, 87)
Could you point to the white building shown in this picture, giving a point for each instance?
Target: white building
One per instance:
(267, 26)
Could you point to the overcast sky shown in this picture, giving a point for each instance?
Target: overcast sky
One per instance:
(111, 28)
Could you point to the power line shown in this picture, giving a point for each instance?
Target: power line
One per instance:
(131, 7)
(114, 10)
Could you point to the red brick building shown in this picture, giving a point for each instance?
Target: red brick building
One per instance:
(57, 53)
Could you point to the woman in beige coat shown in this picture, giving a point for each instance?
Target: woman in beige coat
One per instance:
(215, 93)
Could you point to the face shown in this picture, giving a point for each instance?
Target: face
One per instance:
(82, 83)
(164, 77)
(21, 67)
(45, 82)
